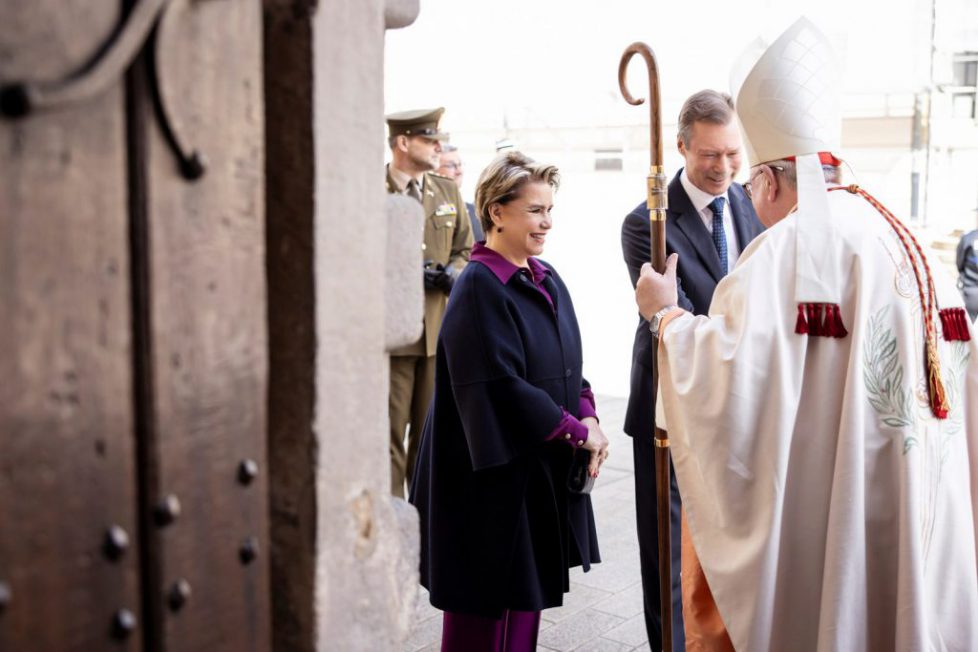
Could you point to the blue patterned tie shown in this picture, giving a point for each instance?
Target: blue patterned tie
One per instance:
(719, 236)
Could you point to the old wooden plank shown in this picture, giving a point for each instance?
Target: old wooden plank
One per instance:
(207, 311)
(66, 445)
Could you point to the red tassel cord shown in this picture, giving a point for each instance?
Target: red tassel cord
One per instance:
(955, 322)
(947, 325)
(839, 327)
(828, 326)
(815, 319)
(820, 320)
(928, 301)
(801, 324)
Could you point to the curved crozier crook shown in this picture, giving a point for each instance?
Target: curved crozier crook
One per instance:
(655, 143)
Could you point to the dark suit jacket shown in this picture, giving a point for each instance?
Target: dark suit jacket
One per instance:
(477, 234)
(968, 269)
(698, 274)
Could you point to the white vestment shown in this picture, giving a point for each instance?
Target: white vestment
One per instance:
(829, 509)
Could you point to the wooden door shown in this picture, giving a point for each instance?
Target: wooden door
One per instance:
(67, 452)
(133, 347)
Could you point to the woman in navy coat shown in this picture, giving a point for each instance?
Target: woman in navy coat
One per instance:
(499, 526)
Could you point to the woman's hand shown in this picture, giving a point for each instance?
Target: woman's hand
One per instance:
(597, 443)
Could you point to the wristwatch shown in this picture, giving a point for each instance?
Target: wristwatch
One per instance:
(656, 320)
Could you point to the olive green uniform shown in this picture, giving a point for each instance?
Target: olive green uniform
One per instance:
(447, 241)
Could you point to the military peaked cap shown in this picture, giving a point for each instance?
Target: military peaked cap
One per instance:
(420, 122)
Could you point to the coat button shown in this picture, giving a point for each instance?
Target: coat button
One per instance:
(567, 436)
(116, 542)
(567, 373)
(580, 442)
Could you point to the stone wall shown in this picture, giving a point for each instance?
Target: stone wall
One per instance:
(345, 553)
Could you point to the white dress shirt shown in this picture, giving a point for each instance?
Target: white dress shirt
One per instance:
(701, 202)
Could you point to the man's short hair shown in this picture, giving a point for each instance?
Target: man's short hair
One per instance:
(704, 106)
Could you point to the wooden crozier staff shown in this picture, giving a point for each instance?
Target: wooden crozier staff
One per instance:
(658, 202)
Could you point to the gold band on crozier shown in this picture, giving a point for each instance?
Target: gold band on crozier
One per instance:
(661, 443)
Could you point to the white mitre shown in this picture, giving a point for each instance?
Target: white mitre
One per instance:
(787, 100)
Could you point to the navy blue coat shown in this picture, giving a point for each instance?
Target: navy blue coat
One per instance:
(698, 274)
(499, 529)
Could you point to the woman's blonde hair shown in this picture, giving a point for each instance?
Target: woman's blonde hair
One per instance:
(504, 178)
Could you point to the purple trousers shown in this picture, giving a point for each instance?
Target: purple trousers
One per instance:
(516, 631)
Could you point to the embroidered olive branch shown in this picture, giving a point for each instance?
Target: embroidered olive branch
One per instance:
(884, 379)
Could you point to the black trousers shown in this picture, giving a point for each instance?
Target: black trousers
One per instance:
(646, 512)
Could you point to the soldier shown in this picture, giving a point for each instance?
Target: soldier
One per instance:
(415, 144)
(451, 167)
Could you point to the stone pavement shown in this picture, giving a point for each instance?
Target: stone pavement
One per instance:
(603, 611)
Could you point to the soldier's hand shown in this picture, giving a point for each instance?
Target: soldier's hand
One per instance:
(430, 276)
(445, 279)
(439, 277)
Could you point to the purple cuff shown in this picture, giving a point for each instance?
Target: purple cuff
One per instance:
(586, 407)
(569, 430)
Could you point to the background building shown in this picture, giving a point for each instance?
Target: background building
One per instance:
(543, 78)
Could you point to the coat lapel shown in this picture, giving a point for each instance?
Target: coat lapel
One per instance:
(691, 224)
(551, 287)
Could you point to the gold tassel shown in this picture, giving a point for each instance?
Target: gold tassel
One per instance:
(935, 387)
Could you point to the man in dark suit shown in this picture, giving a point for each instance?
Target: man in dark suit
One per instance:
(967, 259)
(709, 223)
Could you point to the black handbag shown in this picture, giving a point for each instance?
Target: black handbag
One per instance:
(579, 481)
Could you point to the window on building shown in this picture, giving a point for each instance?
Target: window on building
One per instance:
(964, 91)
(963, 105)
(608, 159)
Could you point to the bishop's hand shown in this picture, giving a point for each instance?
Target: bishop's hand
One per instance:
(655, 291)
